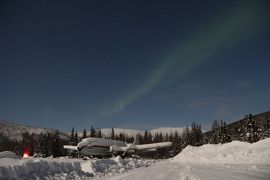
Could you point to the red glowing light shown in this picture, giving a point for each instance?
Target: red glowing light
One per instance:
(25, 155)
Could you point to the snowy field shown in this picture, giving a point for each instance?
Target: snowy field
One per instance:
(235, 160)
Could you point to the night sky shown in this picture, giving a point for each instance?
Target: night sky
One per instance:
(133, 64)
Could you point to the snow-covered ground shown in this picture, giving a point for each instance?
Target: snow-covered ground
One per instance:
(63, 168)
(172, 170)
(235, 160)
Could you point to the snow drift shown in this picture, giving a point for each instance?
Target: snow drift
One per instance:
(231, 153)
(62, 168)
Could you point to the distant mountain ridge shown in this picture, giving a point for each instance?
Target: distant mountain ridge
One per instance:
(13, 131)
(106, 132)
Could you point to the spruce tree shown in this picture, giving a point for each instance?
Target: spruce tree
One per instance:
(166, 137)
(227, 133)
(45, 147)
(92, 132)
(76, 140)
(156, 138)
(160, 137)
(150, 138)
(112, 136)
(84, 134)
(176, 136)
(99, 134)
(71, 140)
(121, 137)
(56, 148)
(145, 137)
(38, 147)
(215, 132)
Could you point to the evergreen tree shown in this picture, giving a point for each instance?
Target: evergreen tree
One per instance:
(215, 131)
(215, 125)
(45, 147)
(112, 136)
(221, 132)
(171, 137)
(99, 133)
(150, 138)
(32, 144)
(72, 140)
(76, 138)
(160, 137)
(194, 135)
(226, 133)
(92, 132)
(267, 121)
(186, 138)
(140, 137)
(56, 148)
(84, 134)
(176, 136)
(166, 137)
(198, 135)
(121, 137)
(266, 130)
(116, 137)
(253, 130)
(156, 137)
(145, 137)
(50, 144)
(38, 147)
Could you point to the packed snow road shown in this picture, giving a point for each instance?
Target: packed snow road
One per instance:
(178, 171)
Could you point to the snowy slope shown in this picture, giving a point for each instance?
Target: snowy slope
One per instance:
(231, 153)
(13, 131)
(106, 132)
(168, 130)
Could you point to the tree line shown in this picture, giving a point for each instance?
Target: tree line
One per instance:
(250, 129)
(38, 145)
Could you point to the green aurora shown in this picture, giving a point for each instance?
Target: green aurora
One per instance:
(204, 43)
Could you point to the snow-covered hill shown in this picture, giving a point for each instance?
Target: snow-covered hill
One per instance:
(131, 132)
(106, 132)
(168, 130)
(13, 131)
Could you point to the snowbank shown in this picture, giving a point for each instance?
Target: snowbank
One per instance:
(231, 153)
(8, 154)
(62, 168)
